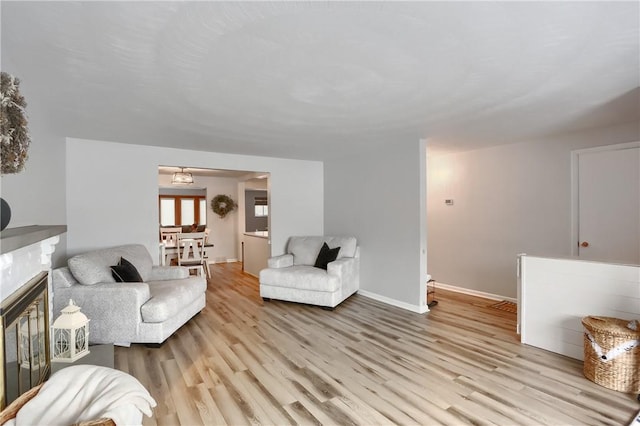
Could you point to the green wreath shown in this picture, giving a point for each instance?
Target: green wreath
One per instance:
(222, 205)
(14, 135)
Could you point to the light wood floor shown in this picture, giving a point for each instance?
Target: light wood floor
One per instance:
(244, 361)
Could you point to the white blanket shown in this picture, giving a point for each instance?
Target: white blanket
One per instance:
(87, 392)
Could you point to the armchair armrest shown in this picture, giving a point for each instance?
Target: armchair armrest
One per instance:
(282, 261)
(113, 309)
(342, 266)
(347, 269)
(161, 273)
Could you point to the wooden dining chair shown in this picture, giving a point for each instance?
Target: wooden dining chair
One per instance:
(207, 244)
(169, 237)
(169, 234)
(191, 251)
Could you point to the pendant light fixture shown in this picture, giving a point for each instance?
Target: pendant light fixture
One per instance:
(182, 178)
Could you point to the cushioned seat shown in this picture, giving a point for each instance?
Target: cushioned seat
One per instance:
(169, 297)
(301, 277)
(293, 276)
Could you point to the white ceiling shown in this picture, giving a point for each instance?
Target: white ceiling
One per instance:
(252, 180)
(196, 171)
(311, 80)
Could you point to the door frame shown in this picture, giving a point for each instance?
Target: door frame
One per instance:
(575, 219)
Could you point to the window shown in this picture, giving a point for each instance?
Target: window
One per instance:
(261, 209)
(167, 211)
(188, 213)
(203, 211)
(176, 210)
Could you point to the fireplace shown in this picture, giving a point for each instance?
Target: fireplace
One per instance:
(24, 339)
(25, 307)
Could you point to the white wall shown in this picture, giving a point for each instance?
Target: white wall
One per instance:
(36, 195)
(240, 225)
(222, 231)
(112, 192)
(508, 199)
(378, 196)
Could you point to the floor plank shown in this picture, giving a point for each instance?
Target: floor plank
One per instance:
(245, 361)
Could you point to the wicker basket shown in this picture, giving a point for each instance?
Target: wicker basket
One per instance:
(12, 409)
(612, 353)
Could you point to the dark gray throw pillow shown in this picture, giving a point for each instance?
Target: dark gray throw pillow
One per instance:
(125, 272)
(326, 256)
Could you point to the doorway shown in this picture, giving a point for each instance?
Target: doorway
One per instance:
(606, 203)
(225, 232)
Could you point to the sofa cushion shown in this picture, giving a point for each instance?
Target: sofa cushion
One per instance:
(305, 250)
(62, 277)
(94, 267)
(347, 245)
(326, 256)
(125, 272)
(300, 277)
(159, 273)
(169, 297)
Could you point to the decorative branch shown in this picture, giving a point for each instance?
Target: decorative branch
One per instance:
(14, 134)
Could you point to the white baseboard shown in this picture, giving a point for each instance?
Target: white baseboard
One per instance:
(213, 262)
(473, 292)
(394, 302)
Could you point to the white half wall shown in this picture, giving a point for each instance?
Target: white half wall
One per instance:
(556, 294)
(507, 199)
(112, 192)
(379, 197)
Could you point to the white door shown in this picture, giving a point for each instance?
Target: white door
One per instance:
(609, 204)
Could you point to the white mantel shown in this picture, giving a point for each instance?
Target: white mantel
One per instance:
(24, 253)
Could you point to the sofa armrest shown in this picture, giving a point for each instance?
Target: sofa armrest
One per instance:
(113, 309)
(162, 273)
(282, 261)
(348, 271)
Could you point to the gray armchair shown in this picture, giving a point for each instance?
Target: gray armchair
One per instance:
(294, 278)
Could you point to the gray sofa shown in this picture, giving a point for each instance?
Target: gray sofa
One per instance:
(128, 312)
(293, 277)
